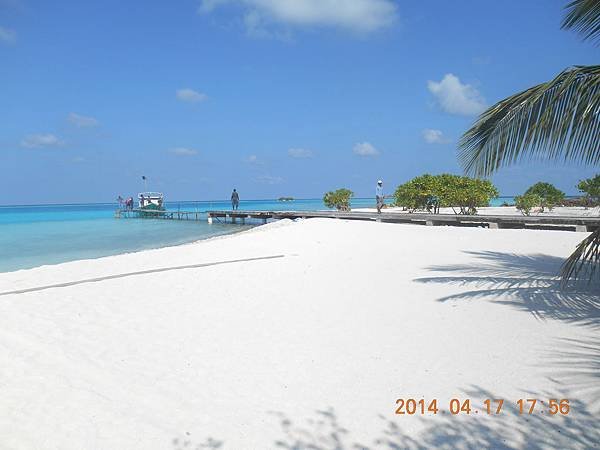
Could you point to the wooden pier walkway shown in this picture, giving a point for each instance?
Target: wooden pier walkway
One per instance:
(570, 223)
(154, 214)
(583, 223)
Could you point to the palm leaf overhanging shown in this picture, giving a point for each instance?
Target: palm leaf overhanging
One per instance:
(584, 17)
(557, 121)
(585, 260)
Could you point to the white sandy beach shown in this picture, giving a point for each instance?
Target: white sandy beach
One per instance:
(322, 328)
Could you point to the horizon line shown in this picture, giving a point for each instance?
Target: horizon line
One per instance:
(192, 201)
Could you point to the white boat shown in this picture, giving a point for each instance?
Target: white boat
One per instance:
(151, 200)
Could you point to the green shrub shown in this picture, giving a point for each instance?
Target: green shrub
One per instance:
(525, 203)
(458, 192)
(591, 187)
(549, 195)
(415, 194)
(339, 199)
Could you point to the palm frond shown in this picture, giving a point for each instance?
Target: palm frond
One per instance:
(584, 17)
(585, 260)
(558, 120)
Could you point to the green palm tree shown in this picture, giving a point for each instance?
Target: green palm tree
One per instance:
(558, 121)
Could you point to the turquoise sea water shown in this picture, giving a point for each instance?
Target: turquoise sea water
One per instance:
(36, 235)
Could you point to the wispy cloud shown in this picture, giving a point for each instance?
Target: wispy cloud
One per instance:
(268, 179)
(256, 27)
(432, 136)
(183, 151)
(365, 149)
(82, 121)
(7, 36)
(190, 95)
(300, 153)
(252, 159)
(362, 16)
(40, 141)
(455, 97)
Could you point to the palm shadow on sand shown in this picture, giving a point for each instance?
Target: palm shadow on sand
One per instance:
(530, 283)
(575, 364)
(508, 430)
(527, 282)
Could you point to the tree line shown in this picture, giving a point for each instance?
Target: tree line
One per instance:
(464, 195)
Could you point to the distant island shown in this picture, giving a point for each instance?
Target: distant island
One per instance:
(285, 199)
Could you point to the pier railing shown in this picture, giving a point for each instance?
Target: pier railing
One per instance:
(158, 214)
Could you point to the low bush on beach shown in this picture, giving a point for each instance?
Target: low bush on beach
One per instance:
(549, 195)
(526, 203)
(415, 194)
(463, 194)
(339, 199)
(591, 188)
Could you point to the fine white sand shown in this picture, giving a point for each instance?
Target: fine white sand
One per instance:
(307, 346)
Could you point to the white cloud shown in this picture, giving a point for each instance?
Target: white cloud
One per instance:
(455, 97)
(7, 36)
(183, 151)
(267, 179)
(252, 159)
(365, 149)
(190, 95)
(82, 121)
(361, 16)
(432, 136)
(40, 140)
(300, 153)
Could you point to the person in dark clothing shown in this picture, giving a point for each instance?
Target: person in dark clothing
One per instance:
(379, 197)
(235, 200)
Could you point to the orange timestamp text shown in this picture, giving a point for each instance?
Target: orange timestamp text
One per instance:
(456, 406)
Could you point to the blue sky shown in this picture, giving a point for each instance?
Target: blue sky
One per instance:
(274, 97)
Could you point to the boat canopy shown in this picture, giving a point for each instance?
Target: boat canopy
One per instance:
(153, 195)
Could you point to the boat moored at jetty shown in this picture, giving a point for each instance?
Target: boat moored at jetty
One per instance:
(151, 201)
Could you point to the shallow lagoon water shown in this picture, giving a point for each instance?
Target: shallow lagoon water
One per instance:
(36, 235)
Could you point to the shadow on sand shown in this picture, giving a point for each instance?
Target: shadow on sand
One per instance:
(575, 364)
(507, 430)
(527, 282)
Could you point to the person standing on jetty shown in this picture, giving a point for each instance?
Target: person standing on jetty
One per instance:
(235, 200)
(379, 196)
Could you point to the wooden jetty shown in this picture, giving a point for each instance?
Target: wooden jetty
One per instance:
(489, 221)
(571, 223)
(157, 214)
